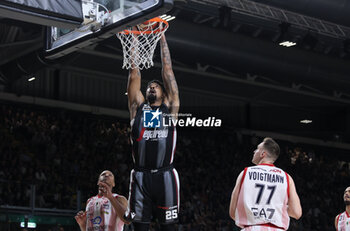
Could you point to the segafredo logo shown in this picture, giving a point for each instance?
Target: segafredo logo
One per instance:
(157, 119)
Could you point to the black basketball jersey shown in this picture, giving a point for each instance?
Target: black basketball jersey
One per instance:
(153, 137)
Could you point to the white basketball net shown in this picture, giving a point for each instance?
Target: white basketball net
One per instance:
(139, 45)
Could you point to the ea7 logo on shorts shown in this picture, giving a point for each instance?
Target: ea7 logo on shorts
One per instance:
(151, 119)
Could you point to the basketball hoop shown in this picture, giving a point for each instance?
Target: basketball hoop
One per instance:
(140, 42)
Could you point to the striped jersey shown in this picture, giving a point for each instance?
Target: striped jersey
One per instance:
(263, 198)
(101, 215)
(343, 222)
(153, 137)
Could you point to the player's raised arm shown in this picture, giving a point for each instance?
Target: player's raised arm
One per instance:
(135, 97)
(294, 206)
(119, 203)
(169, 77)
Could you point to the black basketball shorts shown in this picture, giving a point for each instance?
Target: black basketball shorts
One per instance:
(154, 195)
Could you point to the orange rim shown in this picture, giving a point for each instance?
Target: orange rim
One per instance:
(157, 19)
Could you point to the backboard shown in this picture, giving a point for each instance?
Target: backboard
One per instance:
(102, 19)
(60, 13)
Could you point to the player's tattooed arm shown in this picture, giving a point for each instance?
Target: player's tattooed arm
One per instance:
(168, 76)
(135, 97)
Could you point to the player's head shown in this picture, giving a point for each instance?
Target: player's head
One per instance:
(106, 177)
(347, 196)
(155, 91)
(267, 150)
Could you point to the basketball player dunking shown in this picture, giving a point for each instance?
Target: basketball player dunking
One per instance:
(154, 183)
(342, 221)
(264, 196)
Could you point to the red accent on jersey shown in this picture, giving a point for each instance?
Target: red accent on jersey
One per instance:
(338, 221)
(272, 165)
(245, 171)
(266, 225)
(141, 134)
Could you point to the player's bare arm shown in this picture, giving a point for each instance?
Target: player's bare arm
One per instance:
(336, 222)
(81, 220)
(120, 203)
(172, 99)
(234, 196)
(294, 206)
(135, 97)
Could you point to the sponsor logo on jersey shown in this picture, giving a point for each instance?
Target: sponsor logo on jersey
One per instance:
(98, 228)
(96, 220)
(275, 170)
(263, 213)
(106, 206)
(155, 134)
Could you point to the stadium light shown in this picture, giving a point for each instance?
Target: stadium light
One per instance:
(305, 121)
(287, 43)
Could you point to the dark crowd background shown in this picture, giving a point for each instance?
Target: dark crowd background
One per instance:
(62, 152)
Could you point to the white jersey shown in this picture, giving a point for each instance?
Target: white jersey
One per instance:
(343, 222)
(261, 228)
(101, 215)
(263, 198)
